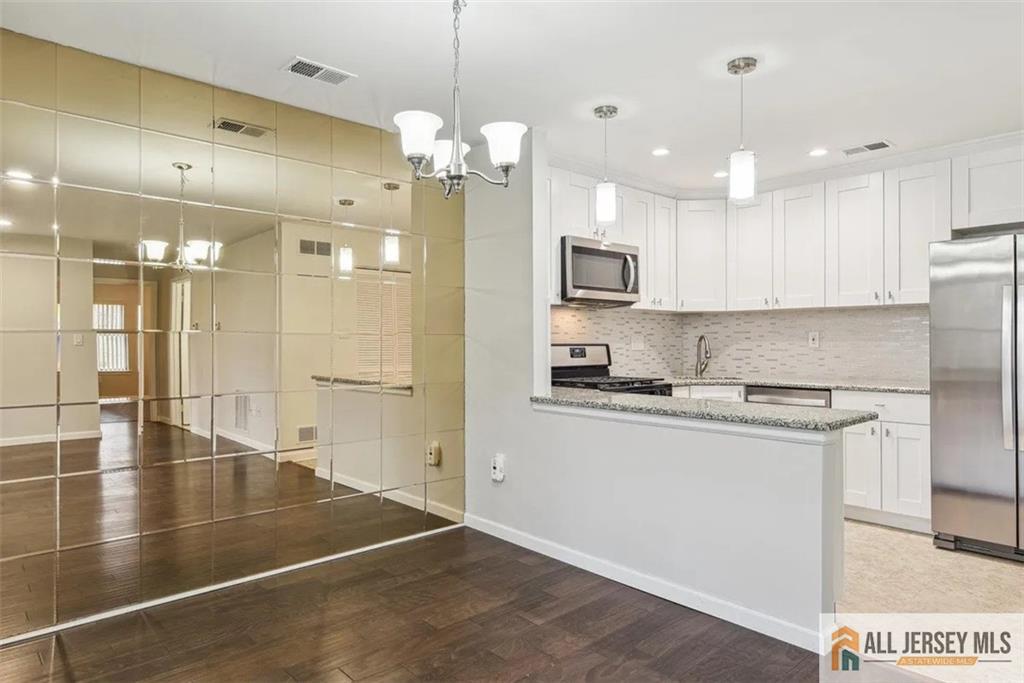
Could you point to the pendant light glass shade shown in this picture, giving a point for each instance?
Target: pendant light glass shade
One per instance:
(503, 142)
(154, 250)
(443, 154)
(418, 129)
(742, 175)
(346, 259)
(604, 203)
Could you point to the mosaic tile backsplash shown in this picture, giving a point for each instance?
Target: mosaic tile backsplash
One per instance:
(882, 343)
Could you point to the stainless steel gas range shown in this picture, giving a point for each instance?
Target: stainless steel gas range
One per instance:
(588, 366)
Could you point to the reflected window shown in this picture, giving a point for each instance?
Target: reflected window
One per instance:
(111, 348)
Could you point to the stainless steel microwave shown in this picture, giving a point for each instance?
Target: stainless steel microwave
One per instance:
(599, 274)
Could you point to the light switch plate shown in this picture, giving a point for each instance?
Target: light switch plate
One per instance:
(78, 340)
(813, 340)
(636, 343)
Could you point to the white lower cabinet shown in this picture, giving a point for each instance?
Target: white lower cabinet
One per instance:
(712, 392)
(906, 469)
(862, 464)
(887, 462)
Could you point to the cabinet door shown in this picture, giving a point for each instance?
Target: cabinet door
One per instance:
(725, 392)
(661, 255)
(578, 217)
(906, 469)
(799, 247)
(988, 187)
(700, 255)
(854, 241)
(862, 464)
(917, 212)
(749, 254)
(637, 218)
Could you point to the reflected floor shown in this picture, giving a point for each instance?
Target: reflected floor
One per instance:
(86, 580)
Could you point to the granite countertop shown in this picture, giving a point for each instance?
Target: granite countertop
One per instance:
(890, 386)
(324, 379)
(791, 417)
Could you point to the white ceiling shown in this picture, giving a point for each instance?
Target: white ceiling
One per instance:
(832, 74)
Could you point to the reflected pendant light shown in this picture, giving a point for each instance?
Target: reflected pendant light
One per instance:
(604, 193)
(419, 128)
(742, 162)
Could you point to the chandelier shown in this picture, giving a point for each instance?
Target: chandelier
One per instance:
(448, 157)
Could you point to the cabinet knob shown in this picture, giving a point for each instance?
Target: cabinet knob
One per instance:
(887, 433)
(659, 300)
(872, 431)
(680, 303)
(776, 301)
(766, 301)
(891, 297)
(877, 298)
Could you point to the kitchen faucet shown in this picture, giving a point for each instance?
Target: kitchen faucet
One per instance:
(703, 355)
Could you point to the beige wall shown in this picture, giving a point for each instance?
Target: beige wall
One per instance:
(266, 318)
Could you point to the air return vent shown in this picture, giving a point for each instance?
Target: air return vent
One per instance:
(307, 433)
(307, 68)
(240, 127)
(869, 147)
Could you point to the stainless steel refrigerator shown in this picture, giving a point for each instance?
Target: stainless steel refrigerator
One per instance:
(977, 394)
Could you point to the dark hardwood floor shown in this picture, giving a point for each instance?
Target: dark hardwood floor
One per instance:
(185, 521)
(457, 606)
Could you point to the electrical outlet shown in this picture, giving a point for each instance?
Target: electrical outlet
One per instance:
(434, 454)
(813, 340)
(636, 343)
(498, 467)
(78, 340)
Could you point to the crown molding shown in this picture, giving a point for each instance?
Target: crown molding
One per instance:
(878, 162)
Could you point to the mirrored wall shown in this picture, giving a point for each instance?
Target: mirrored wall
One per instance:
(231, 331)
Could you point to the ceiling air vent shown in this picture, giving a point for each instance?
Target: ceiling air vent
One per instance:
(232, 126)
(307, 68)
(869, 147)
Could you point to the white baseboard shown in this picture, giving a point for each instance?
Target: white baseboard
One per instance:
(49, 438)
(244, 439)
(757, 621)
(921, 525)
(403, 496)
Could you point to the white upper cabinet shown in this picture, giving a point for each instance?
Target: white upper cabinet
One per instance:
(578, 213)
(748, 254)
(988, 187)
(917, 212)
(854, 273)
(661, 257)
(637, 220)
(799, 247)
(700, 255)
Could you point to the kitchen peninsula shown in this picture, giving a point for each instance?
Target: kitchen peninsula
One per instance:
(727, 488)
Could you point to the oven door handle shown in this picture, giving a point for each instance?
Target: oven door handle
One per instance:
(628, 281)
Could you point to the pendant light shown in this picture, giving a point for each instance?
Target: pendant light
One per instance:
(742, 162)
(604, 193)
(418, 129)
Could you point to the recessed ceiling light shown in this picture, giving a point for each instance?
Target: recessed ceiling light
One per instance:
(660, 151)
(818, 152)
(721, 174)
(5, 223)
(18, 175)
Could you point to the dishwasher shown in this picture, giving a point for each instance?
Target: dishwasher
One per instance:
(786, 396)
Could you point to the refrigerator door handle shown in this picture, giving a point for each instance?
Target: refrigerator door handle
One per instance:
(1007, 367)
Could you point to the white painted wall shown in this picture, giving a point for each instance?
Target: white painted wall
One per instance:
(745, 529)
